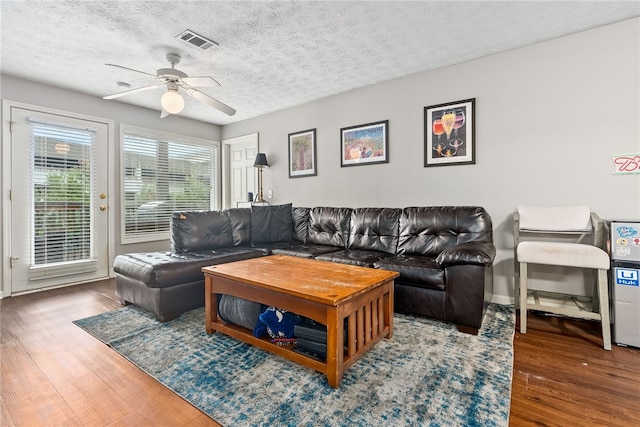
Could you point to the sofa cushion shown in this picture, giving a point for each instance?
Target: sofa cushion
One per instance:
(271, 224)
(329, 226)
(240, 221)
(374, 229)
(418, 271)
(360, 257)
(300, 223)
(304, 250)
(200, 230)
(269, 248)
(429, 230)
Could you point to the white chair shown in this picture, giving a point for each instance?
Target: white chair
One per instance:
(549, 227)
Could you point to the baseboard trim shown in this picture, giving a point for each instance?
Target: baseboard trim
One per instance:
(503, 300)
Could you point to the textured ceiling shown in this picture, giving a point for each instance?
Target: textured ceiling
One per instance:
(272, 55)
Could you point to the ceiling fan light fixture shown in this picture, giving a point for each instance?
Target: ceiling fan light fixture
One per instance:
(172, 102)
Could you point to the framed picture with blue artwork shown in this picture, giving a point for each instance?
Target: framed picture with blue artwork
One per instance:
(364, 144)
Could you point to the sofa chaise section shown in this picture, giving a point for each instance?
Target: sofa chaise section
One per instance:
(169, 283)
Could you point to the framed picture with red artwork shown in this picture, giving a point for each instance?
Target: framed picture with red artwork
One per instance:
(449, 133)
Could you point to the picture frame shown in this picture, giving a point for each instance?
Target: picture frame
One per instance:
(302, 154)
(364, 144)
(449, 133)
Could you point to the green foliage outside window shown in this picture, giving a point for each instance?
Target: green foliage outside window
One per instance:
(62, 215)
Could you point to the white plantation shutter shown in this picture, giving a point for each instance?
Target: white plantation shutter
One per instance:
(163, 173)
(63, 182)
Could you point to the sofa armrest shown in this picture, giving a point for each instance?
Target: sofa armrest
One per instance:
(475, 253)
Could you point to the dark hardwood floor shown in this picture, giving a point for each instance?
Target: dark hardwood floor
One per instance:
(563, 377)
(55, 374)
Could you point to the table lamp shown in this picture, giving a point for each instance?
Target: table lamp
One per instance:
(260, 163)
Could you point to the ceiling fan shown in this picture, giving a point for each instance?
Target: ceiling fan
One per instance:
(172, 102)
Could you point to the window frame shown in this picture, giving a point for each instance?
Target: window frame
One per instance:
(152, 236)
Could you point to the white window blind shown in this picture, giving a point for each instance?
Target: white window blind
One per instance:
(163, 173)
(63, 183)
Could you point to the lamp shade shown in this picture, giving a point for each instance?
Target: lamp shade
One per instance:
(261, 161)
(172, 102)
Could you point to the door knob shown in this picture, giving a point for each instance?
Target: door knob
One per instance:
(103, 196)
(103, 207)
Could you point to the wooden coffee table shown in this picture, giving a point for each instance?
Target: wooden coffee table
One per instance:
(323, 291)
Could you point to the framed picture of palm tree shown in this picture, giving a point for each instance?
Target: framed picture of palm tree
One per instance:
(302, 154)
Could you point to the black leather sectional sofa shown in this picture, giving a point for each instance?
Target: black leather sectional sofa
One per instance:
(444, 254)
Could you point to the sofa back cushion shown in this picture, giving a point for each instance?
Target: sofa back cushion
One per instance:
(271, 224)
(300, 223)
(375, 229)
(199, 231)
(329, 226)
(428, 230)
(240, 221)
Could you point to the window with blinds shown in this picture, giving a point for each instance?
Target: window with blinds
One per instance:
(63, 184)
(163, 173)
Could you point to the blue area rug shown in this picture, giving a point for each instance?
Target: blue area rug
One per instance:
(428, 374)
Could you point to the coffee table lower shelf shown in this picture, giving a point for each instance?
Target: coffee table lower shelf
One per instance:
(247, 336)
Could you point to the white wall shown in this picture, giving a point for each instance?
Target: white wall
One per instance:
(29, 92)
(548, 119)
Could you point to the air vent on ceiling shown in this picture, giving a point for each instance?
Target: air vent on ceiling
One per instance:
(196, 40)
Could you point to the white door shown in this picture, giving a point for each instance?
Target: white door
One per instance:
(59, 226)
(243, 179)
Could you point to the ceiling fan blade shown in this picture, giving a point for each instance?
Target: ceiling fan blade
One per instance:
(131, 69)
(201, 81)
(164, 113)
(209, 100)
(127, 92)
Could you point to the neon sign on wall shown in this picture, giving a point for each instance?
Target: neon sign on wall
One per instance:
(626, 164)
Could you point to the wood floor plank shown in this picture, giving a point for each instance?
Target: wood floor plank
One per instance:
(132, 419)
(54, 373)
(27, 395)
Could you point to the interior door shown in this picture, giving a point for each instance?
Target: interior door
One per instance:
(59, 229)
(242, 174)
